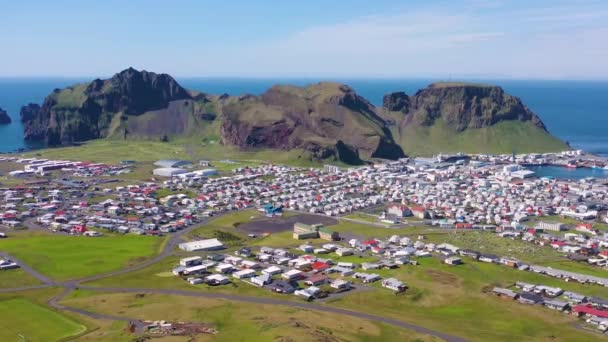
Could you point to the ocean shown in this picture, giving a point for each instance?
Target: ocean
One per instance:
(574, 111)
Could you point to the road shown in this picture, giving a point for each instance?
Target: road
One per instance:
(168, 250)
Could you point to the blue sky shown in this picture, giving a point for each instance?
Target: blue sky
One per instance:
(519, 39)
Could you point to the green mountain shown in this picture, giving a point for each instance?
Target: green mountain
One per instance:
(465, 117)
(329, 121)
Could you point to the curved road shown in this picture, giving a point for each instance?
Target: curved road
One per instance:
(167, 250)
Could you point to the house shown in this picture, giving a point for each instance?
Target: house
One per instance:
(216, 279)
(574, 298)
(262, 280)
(453, 260)
(556, 304)
(469, 253)
(244, 274)
(272, 270)
(398, 210)
(489, 258)
(367, 278)
(584, 310)
(224, 268)
(281, 286)
(505, 293)
(342, 251)
(308, 293)
(292, 275)
(394, 284)
(316, 280)
(191, 261)
(306, 248)
(420, 212)
(528, 298)
(340, 285)
(553, 226)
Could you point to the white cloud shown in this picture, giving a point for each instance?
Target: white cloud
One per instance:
(435, 44)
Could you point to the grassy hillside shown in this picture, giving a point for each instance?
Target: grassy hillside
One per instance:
(504, 137)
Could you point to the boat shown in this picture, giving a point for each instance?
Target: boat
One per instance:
(571, 166)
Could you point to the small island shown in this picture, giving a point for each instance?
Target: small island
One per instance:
(4, 118)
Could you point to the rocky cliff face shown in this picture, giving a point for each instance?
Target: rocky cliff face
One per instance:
(88, 111)
(4, 118)
(396, 102)
(327, 119)
(464, 106)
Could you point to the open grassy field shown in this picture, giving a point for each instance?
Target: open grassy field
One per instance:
(67, 257)
(243, 321)
(366, 230)
(504, 137)
(452, 299)
(113, 151)
(16, 278)
(23, 320)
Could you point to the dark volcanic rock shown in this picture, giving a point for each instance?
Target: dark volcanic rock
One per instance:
(86, 111)
(4, 118)
(135, 92)
(29, 112)
(396, 102)
(464, 106)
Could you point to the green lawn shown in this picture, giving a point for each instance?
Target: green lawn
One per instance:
(67, 257)
(23, 320)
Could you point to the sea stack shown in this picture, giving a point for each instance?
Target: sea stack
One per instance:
(4, 118)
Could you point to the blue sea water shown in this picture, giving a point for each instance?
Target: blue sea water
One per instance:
(560, 172)
(575, 111)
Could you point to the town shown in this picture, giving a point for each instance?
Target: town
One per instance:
(412, 210)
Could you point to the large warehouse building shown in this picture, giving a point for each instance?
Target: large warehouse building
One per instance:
(202, 245)
(168, 171)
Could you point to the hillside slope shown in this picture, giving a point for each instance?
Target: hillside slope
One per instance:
(326, 121)
(464, 117)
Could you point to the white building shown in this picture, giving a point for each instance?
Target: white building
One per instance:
(201, 245)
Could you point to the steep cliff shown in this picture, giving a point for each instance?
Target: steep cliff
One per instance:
(96, 109)
(450, 117)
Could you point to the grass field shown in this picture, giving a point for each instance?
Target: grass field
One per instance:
(451, 299)
(504, 137)
(365, 230)
(23, 320)
(243, 321)
(67, 257)
(113, 151)
(16, 278)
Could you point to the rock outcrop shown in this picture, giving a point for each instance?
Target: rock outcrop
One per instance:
(463, 106)
(326, 119)
(4, 118)
(96, 109)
